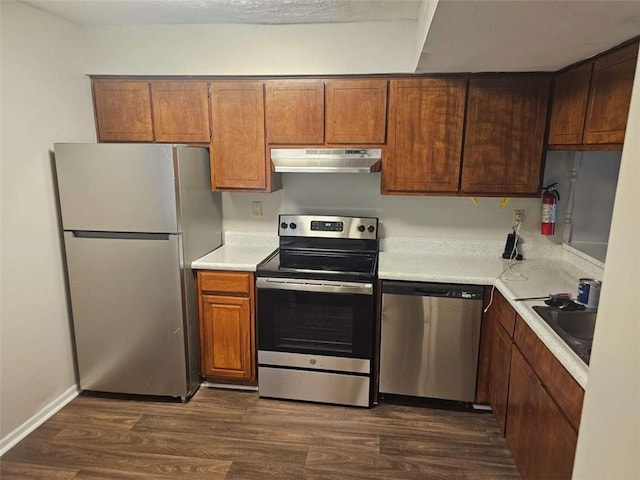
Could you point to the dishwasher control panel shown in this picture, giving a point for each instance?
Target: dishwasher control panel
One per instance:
(447, 290)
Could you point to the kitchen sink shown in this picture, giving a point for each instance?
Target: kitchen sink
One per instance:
(575, 328)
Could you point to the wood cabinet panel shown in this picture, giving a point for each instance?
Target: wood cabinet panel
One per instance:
(498, 324)
(569, 106)
(226, 282)
(484, 357)
(500, 371)
(238, 158)
(504, 135)
(505, 313)
(123, 111)
(295, 111)
(226, 311)
(226, 329)
(541, 439)
(557, 380)
(610, 96)
(180, 111)
(356, 111)
(424, 136)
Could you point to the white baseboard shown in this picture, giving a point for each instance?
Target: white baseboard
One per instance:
(8, 442)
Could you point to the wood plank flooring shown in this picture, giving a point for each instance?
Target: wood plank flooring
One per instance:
(227, 434)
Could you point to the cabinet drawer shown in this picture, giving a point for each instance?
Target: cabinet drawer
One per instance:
(226, 282)
(559, 383)
(506, 315)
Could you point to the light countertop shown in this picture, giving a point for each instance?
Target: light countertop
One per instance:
(533, 277)
(555, 271)
(234, 257)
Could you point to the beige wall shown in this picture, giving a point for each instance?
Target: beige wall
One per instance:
(45, 99)
(251, 49)
(609, 440)
(359, 194)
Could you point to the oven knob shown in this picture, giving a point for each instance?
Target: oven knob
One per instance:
(292, 226)
(283, 225)
(361, 228)
(371, 228)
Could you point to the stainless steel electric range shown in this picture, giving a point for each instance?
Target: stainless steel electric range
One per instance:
(316, 310)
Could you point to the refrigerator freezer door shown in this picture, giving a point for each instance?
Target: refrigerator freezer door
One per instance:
(127, 313)
(116, 187)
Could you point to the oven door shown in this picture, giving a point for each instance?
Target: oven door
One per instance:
(315, 317)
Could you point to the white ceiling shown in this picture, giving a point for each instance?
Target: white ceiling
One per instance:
(524, 35)
(464, 35)
(137, 12)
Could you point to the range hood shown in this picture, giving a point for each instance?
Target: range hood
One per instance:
(326, 160)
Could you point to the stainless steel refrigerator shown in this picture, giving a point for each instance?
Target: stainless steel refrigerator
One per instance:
(134, 218)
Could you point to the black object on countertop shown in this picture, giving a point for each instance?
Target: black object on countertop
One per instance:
(564, 304)
(511, 247)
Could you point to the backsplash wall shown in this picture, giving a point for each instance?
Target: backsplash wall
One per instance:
(359, 194)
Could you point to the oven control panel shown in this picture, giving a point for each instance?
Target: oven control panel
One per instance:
(328, 226)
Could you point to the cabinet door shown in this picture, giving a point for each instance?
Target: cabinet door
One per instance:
(226, 337)
(237, 145)
(570, 93)
(542, 441)
(504, 135)
(610, 96)
(180, 111)
(295, 111)
(356, 111)
(501, 344)
(123, 111)
(425, 136)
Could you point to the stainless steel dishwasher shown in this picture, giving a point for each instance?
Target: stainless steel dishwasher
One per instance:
(430, 338)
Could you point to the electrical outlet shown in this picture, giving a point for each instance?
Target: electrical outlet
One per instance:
(518, 217)
(256, 209)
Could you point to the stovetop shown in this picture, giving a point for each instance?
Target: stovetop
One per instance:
(324, 248)
(320, 265)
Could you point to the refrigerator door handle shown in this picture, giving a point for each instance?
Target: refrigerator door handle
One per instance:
(120, 235)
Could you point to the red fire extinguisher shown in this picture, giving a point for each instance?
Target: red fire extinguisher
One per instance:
(550, 197)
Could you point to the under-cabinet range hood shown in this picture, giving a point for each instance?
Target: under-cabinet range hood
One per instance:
(326, 160)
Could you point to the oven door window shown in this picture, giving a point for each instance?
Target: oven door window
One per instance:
(315, 323)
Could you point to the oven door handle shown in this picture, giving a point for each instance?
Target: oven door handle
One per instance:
(322, 286)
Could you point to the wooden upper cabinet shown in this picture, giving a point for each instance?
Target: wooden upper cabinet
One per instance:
(424, 136)
(610, 96)
(237, 145)
(356, 111)
(506, 118)
(180, 111)
(123, 111)
(569, 106)
(295, 111)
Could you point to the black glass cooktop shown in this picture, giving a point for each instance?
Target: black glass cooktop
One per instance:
(320, 265)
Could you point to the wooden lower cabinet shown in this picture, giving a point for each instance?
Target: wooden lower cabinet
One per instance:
(495, 357)
(541, 439)
(227, 327)
(536, 401)
(500, 368)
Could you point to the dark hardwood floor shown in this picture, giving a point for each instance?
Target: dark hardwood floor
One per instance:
(226, 434)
